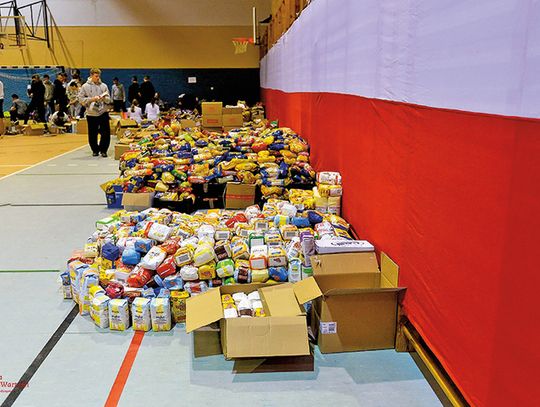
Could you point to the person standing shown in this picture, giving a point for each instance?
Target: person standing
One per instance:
(95, 97)
(59, 93)
(147, 91)
(49, 90)
(37, 93)
(73, 97)
(134, 90)
(118, 96)
(152, 110)
(1, 99)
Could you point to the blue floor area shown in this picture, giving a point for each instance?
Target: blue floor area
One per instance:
(82, 367)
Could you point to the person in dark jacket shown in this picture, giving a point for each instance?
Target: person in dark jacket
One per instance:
(59, 93)
(134, 90)
(147, 91)
(37, 93)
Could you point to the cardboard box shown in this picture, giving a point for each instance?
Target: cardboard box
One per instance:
(137, 201)
(125, 123)
(212, 121)
(233, 110)
(3, 125)
(37, 129)
(212, 108)
(283, 332)
(239, 196)
(358, 309)
(235, 120)
(82, 126)
(120, 149)
(187, 124)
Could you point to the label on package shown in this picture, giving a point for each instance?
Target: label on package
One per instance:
(328, 328)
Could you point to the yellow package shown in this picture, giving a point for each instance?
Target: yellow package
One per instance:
(321, 203)
(118, 314)
(227, 299)
(178, 305)
(161, 187)
(140, 314)
(288, 231)
(259, 276)
(168, 178)
(105, 276)
(243, 230)
(240, 250)
(207, 271)
(334, 205)
(91, 250)
(183, 256)
(329, 190)
(246, 166)
(95, 289)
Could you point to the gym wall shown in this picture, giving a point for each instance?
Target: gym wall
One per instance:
(430, 112)
(171, 40)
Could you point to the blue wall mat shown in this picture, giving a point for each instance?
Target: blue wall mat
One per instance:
(227, 85)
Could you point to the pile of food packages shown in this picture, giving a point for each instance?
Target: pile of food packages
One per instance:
(169, 161)
(150, 262)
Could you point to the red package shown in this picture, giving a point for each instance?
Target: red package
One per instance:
(259, 146)
(171, 245)
(139, 277)
(238, 218)
(121, 266)
(167, 268)
(114, 290)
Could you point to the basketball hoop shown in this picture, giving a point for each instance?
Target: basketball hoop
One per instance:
(240, 44)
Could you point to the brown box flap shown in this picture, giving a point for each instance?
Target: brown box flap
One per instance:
(306, 290)
(281, 301)
(203, 309)
(389, 271)
(350, 291)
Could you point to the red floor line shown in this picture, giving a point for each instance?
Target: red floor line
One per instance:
(123, 374)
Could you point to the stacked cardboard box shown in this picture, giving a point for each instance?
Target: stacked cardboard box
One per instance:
(212, 115)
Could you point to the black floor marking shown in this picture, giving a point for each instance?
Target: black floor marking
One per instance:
(40, 358)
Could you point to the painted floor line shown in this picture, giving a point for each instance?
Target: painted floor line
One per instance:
(24, 381)
(30, 271)
(123, 374)
(42, 162)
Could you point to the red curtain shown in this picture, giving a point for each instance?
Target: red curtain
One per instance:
(453, 198)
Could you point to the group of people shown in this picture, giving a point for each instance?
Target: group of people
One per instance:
(141, 96)
(61, 99)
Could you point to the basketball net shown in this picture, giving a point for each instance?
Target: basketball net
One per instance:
(241, 44)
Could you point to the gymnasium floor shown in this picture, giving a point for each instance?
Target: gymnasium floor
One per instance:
(47, 211)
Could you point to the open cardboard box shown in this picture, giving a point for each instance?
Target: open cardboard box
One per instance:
(358, 306)
(283, 332)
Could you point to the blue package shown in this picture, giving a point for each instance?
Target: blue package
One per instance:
(131, 257)
(278, 273)
(314, 217)
(164, 293)
(301, 222)
(148, 292)
(110, 251)
(159, 281)
(143, 245)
